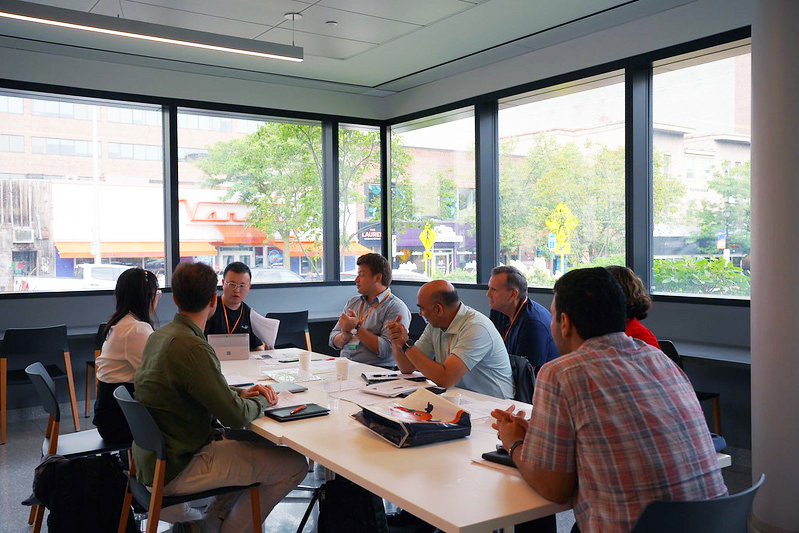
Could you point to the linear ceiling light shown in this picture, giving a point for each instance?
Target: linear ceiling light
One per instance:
(168, 35)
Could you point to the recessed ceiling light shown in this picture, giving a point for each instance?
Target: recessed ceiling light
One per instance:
(331, 23)
(292, 15)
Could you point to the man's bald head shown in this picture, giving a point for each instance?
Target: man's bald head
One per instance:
(440, 291)
(438, 302)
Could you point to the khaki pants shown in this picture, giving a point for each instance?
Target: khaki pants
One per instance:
(232, 462)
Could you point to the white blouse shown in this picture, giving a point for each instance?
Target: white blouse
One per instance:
(122, 350)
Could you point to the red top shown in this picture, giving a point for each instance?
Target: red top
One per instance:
(637, 330)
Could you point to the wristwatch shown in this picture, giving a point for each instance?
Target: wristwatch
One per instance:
(513, 447)
(406, 346)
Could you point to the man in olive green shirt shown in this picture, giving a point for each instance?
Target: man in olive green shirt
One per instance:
(181, 384)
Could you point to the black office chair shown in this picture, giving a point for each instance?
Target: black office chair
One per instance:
(147, 436)
(91, 366)
(293, 330)
(29, 345)
(728, 514)
(71, 445)
(523, 378)
(668, 348)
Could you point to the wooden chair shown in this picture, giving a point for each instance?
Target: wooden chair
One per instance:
(728, 514)
(91, 366)
(293, 331)
(71, 445)
(148, 436)
(26, 345)
(668, 348)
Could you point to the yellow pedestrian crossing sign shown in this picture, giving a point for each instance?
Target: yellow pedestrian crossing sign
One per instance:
(428, 236)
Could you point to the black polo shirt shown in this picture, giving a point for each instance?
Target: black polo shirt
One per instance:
(240, 318)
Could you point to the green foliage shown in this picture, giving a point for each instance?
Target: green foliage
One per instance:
(277, 171)
(692, 275)
(460, 275)
(588, 180)
(730, 211)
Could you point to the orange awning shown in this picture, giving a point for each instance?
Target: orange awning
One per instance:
(356, 249)
(238, 234)
(295, 250)
(75, 250)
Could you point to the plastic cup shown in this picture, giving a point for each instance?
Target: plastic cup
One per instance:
(342, 368)
(454, 397)
(305, 361)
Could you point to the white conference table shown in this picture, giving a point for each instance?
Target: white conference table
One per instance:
(439, 483)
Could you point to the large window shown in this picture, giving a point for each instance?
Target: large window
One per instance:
(250, 190)
(701, 108)
(432, 198)
(561, 182)
(71, 217)
(360, 201)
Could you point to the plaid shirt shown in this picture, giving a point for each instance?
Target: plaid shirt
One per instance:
(625, 418)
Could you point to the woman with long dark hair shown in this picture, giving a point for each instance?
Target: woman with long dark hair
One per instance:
(127, 331)
(638, 303)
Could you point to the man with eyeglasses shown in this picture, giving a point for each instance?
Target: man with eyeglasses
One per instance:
(232, 315)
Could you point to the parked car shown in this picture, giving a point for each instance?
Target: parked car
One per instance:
(274, 275)
(86, 276)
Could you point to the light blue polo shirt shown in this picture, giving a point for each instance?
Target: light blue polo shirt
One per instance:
(474, 339)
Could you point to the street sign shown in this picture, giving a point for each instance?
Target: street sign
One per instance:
(428, 236)
(427, 254)
(551, 242)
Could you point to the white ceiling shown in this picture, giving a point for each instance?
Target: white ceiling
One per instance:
(377, 46)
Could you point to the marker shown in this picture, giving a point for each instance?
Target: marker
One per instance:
(288, 360)
(297, 410)
(384, 375)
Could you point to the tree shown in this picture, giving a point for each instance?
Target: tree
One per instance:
(730, 211)
(588, 180)
(277, 171)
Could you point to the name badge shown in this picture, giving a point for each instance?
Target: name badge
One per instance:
(352, 345)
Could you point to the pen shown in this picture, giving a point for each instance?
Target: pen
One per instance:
(297, 410)
(384, 375)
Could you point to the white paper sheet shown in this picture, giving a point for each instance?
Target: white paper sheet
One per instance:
(357, 396)
(264, 328)
(333, 386)
(237, 380)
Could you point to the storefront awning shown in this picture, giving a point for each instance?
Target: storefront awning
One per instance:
(238, 234)
(355, 249)
(310, 248)
(76, 250)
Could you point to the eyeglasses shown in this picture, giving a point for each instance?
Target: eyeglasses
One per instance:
(233, 285)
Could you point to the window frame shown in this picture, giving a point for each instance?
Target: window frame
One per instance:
(638, 164)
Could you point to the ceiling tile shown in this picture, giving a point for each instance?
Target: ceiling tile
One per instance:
(180, 18)
(248, 11)
(78, 5)
(319, 45)
(421, 12)
(352, 26)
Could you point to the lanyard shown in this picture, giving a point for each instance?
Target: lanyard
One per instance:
(519, 310)
(224, 311)
(360, 311)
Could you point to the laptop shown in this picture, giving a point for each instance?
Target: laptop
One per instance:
(231, 347)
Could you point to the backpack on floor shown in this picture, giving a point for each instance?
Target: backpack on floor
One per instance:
(347, 507)
(83, 495)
